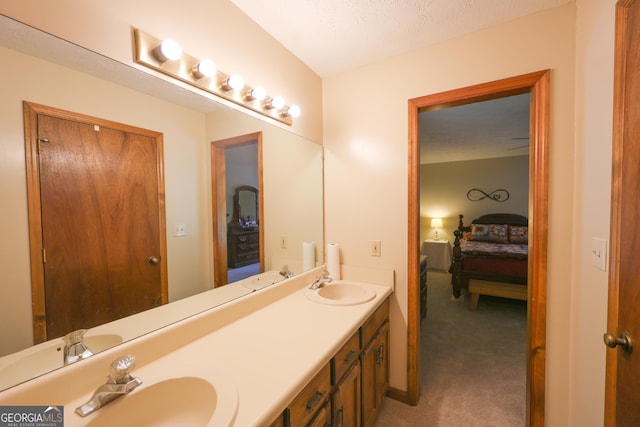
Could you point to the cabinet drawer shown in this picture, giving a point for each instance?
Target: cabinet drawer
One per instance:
(248, 256)
(323, 419)
(375, 321)
(345, 357)
(311, 399)
(246, 238)
(247, 247)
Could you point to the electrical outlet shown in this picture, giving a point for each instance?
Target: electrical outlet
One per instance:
(375, 248)
(283, 242)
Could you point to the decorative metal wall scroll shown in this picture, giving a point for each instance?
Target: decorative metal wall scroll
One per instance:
(499, 195)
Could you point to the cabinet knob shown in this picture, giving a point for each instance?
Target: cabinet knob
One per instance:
(349, 357)
(380, 355)
(315, 399)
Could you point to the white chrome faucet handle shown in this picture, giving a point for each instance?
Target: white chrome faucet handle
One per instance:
(121, 368)
(74, 337)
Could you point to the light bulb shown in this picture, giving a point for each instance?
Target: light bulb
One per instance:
(204, 68)
(294, 111)
(169, 50)
(258, 93)
(277, 102)
(235, 82)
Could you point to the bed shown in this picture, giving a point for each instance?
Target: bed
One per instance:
(490, 257)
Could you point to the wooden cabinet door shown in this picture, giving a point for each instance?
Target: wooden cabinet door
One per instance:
(346, 400)
(375, 374)
(382, 363)
(368, 366)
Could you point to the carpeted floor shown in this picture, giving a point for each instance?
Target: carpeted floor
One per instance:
(473, 364)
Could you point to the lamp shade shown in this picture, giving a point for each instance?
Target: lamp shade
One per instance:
(436, 222)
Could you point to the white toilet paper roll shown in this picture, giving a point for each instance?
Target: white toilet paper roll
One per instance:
(333, 260)
(308, 255)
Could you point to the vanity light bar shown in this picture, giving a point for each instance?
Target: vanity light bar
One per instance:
(196, 72)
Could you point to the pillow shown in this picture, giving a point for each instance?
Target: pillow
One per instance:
(490, 233)
(518, 234)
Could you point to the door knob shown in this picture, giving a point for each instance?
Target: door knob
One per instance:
(624, 341)
(154, 260)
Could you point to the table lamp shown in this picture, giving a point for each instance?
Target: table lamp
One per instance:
(436, 223)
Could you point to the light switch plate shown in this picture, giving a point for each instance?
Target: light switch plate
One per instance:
(375, 248)
(599, 253)
(179, 230)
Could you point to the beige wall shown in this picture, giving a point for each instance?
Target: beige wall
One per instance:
(593, 122)
(444, 187)
(215, 29)
(365, 137)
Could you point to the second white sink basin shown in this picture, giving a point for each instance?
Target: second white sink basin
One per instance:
(262, 280)
(341, 292)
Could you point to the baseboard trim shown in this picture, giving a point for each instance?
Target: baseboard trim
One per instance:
(399, 395)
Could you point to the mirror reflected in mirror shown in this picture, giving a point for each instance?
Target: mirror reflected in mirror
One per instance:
(243, 235)
(245, 204)
(292, 196)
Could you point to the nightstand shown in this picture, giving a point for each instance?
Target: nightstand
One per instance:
(438, 252)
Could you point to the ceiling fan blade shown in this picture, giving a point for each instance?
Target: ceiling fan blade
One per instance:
(517, 148)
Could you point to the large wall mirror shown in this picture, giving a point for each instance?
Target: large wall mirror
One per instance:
(43, 69)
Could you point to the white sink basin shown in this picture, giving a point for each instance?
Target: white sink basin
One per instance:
(262, 280)
(182, 401)
(341, 292)
(47, 357)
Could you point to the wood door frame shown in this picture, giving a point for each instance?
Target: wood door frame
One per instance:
(34, 208)
(219, 200)
(617, 196)
(537, 84)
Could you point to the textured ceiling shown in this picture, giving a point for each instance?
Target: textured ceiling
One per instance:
(334, 36)
(482, 130)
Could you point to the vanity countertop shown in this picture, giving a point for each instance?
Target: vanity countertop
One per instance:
(270, 344)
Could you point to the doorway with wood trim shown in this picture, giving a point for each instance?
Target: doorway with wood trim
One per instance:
(537, 84)
(224, 210)
(96, 220)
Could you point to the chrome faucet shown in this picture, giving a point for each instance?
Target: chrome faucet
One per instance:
(321, 281)
(120, 383)
(74, 347)
(285, 272)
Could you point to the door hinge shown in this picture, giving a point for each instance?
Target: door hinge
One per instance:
(40, 141)
(44, 255)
